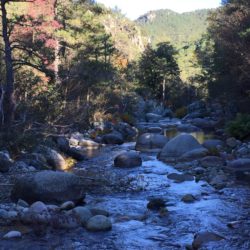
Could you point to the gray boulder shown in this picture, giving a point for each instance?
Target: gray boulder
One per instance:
(50, 187)
(128, 160)
(242, 164)
(83, 214)
(99, 223)
(179, 146)
(113, 138)
(150, 142)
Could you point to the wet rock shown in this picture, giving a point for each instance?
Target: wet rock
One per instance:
(156, 204)
(113, 138)
(242, 164)
(178, 146)
(99, 223)
(5, 162)
(232, 142)
(49, 186)
(73, 142)
(83, 214)
(213, 144)
(12, 235)
(67, 205)
(151, 117)
(150, 142)
(128, 160)
(212, 161)
(203, 238)
(180, 177)
(188, 198)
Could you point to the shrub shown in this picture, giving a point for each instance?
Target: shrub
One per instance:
(181, 112)
(239, 127)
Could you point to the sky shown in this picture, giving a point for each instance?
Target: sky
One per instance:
(135, 8)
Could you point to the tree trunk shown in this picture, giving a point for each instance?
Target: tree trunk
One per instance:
(163, 91)
(9, 99)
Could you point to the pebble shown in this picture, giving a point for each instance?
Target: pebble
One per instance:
(67, 205)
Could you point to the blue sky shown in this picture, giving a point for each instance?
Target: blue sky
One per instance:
(135, 8)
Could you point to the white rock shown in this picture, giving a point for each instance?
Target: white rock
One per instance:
(12, 234)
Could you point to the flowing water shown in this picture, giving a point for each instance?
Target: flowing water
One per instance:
(136, 227)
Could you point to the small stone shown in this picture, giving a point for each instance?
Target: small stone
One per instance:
(202, 238)
(38, 207)
(83, 214)
(22, 203)
(12, 234)
(99, 223)
(67, 205)
(188, 198)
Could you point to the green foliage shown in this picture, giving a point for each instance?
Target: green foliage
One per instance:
(158, 69)
(181, 30)
(181, 112)
(226, 57)
(239, 127)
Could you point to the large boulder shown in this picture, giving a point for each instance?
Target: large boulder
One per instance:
(242, 164)
(53, 158)
(128, 160)
(49, 186)
(180, 146)
(150, 142)
(113, 138)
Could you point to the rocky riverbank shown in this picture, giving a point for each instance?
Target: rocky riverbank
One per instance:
(183, 191)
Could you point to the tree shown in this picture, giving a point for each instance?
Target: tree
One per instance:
(229, 54)
(158, 69)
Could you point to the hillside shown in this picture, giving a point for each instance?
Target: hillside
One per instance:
(126, 34)
(182, 30)
(162, 25)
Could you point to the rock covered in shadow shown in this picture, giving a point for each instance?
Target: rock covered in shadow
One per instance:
(128, 160)
(49, 186)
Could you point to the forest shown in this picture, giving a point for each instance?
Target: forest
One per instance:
(132, 130)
